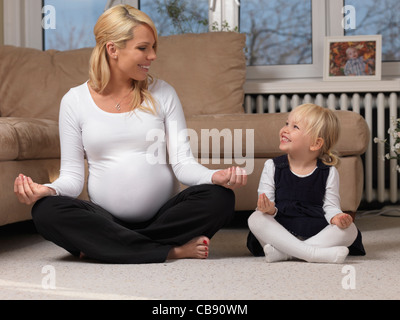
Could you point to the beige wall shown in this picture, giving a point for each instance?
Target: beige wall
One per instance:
(1, 23)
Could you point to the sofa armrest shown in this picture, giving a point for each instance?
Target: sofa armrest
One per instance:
(26, 138)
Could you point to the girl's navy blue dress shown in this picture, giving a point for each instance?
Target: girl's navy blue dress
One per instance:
(300, 204)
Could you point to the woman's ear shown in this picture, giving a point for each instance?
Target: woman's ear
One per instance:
(317, 145)
(111, 50)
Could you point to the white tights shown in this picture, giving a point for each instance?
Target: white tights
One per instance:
(327, 246)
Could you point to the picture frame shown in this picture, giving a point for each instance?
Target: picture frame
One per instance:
(353, 58)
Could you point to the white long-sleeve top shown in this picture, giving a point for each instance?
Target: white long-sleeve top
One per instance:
(331, 204)
(130, 174)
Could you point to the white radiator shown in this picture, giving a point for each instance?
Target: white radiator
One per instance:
(381, 176)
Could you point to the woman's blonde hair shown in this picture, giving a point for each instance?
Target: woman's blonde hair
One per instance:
(320, 123)
(117, 25)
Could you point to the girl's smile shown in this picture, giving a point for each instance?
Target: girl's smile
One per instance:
(293, 137)
(284, 139)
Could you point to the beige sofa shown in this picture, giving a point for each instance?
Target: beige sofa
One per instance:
(208, 73)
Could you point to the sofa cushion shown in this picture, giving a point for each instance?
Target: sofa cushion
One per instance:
(51, 73)
(23, 138)
(353, 138)
(207, 70)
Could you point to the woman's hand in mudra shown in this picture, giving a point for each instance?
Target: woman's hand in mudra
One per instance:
(28, 192)
(231, 178)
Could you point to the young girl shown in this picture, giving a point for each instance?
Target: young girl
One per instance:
(298, 210)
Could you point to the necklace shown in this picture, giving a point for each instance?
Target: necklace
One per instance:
(118, 105)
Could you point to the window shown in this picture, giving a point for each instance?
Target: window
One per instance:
(285, 39)
(279, 34)
(75, 19)
(378, 18)
(291, 43)
(73, 23)
(64, 24)
(177, 16)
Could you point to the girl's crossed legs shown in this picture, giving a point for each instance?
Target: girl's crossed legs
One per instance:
(327, 246)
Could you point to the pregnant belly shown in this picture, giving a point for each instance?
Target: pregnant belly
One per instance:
(132, 192)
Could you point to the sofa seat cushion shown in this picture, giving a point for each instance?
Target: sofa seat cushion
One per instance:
(23, 138)
(353, 138)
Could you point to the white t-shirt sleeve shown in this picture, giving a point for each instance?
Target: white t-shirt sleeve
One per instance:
(187, 170)
(72, 172)
(267, 181)
(332, 197)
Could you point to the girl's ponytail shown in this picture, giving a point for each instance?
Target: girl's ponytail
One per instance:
(330, 158)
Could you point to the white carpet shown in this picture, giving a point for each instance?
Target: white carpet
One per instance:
(32, 268)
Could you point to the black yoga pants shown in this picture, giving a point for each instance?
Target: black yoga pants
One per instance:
(81, 226)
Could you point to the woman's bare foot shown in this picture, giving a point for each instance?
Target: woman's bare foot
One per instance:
(196, 248)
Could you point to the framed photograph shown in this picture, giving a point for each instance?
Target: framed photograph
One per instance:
(353, 58)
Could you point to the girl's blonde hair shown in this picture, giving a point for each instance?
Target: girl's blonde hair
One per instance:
(117, 25)
(320, 123)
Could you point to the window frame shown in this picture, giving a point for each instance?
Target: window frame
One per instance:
(23, 23)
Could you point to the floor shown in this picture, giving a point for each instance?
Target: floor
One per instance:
(32, 268)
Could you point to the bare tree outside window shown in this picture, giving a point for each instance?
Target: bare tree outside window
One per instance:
(279, 32)
(177, 16)
(379, 17)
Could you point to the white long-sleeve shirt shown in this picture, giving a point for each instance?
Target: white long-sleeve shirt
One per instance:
(130, 174)
(331, 204)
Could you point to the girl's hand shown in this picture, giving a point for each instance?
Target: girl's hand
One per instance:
(230, 178)
(265, 205)
(28, 192)
(342, 220)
